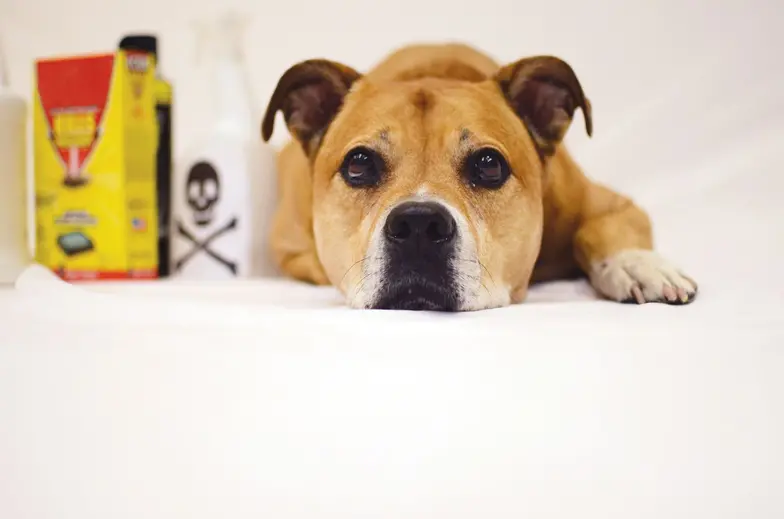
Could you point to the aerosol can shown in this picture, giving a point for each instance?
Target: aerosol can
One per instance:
(217, 230)
(14, 251)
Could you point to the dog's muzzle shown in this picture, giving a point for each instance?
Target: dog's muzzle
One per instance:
(419, 246)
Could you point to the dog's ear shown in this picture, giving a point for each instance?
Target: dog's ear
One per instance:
(309, 94)
(544, 92)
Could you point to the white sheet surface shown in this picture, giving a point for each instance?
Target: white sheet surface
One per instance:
(268, 399)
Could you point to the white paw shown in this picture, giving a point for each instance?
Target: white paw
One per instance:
(641, 276)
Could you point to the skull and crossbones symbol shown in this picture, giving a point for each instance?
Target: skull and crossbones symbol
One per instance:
(205, 246)
(202, 194)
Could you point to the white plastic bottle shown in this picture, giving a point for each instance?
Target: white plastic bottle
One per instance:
(216, 222)
(14, 251)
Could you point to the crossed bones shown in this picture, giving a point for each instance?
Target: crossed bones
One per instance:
(204, 245)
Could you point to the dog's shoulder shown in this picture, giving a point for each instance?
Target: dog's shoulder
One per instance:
(429, 60)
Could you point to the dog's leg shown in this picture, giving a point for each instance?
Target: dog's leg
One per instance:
(613, 245)
(291, 238)
(305, 267)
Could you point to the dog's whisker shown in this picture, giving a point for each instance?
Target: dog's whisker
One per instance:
(363, 280)
(366, 258)
(482, 266)
(349, 269)
(488, 274)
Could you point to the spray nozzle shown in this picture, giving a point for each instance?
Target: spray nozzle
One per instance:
(221, 36)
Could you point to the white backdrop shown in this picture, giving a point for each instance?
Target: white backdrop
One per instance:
(634, 58)
(267, 399)
(677, 86)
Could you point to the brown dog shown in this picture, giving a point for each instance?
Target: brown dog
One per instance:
(439, 181)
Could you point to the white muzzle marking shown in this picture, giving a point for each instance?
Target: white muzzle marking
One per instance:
(473, 285)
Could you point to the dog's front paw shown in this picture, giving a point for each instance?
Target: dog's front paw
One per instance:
(642, 276)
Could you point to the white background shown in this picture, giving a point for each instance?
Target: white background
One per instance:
(673, 82)
(267, 399)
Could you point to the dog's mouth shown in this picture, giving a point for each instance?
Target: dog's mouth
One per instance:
(416, 293)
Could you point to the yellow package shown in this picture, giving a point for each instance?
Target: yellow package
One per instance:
(95, 139)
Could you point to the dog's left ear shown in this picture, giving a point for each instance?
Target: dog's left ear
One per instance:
(309, 94)
(544, 92)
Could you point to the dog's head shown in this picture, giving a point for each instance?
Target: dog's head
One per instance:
(427, 193)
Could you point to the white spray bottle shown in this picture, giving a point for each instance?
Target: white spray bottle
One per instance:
(218, 227)
(14, 251)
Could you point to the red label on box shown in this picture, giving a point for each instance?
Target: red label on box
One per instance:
(74, 94)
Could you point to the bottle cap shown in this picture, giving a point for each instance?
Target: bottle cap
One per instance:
(143, 42)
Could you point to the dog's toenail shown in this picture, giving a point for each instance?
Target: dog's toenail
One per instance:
(638, 295)
(669, 293)
(683, 295)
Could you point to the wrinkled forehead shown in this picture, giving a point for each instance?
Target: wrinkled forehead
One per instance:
(423, 118)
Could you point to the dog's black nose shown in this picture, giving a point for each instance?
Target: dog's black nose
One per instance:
(421, 223)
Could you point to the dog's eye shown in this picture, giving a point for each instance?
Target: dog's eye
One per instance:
(487, 168)
(361, 168)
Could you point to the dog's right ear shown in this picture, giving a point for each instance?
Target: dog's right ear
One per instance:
(309, 94)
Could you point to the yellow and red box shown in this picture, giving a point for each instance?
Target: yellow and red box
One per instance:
(95, 138)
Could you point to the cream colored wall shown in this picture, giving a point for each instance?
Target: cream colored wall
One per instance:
(680, 83)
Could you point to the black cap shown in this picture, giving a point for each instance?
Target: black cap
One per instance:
(142, 42)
